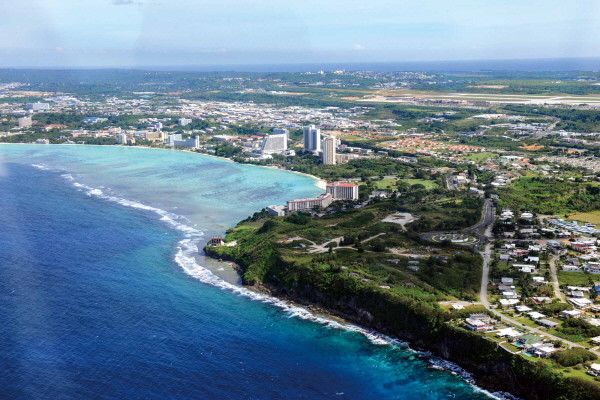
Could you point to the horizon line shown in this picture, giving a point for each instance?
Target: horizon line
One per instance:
(219, 67)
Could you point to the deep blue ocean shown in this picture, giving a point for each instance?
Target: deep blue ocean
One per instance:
(102, 295)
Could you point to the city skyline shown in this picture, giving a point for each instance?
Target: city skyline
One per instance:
(130, 33)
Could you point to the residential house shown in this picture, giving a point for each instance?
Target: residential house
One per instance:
(546, 323)
(571, 314)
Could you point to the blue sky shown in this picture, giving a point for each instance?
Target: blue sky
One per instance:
(200, 32)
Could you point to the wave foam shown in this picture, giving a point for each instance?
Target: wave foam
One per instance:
(41, 166)
(187, 250)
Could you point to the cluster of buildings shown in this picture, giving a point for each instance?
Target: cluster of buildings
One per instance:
(336, 191)
(574, 227)
(532, 345)
(430, 147)
(325, 147)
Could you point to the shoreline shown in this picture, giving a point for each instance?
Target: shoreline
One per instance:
(377, 337)
(343, 321)
(319, 182)
(347, 321)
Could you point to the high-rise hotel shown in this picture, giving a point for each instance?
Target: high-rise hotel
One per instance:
(329, 154)
(312, 139)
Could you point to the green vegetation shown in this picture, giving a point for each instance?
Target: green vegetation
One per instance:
(359, 278)
(577, 330)
(427, 184)
(395, 184)
(278, 248)
(567, 278)
(550, 196)
(577, 355)
(480, 156)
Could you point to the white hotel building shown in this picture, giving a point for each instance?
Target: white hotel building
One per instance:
(322, 201)
(343, 190)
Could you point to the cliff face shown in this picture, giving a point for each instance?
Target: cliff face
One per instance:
(493, 367)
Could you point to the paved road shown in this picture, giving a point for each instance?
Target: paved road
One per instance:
(485, 222)
(486, 254)
(485, 275)
(557, 293)
(487, 217)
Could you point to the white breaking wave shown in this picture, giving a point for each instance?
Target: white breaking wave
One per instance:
(187, 250)
(41, 166)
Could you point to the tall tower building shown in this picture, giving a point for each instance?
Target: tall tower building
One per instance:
(312, 139)
(329, 144)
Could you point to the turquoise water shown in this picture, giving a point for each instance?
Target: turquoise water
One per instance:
(103, 294)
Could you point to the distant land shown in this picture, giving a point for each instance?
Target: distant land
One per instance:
(534, 65)
(522, 65)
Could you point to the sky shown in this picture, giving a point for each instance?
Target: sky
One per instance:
(129, 33)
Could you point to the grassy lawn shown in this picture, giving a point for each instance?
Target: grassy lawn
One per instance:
(581, 373)
(573, 278)
(592, 217)
(390, 183)
(427, 183)
(526, 321)
(511, 347)
(480, 156)
(387, 183)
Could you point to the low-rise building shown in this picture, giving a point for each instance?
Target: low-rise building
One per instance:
(477, 325)
(322, 201)
(546, 323)
(571, 314)
(276, 210)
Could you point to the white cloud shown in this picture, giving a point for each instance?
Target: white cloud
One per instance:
(359, 47)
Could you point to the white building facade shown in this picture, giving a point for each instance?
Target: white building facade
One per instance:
(322, 201)
(343, 190)
(275, 143)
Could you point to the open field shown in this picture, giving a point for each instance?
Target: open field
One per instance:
(573, 278)
(592, 217)
(480, 156)
(427, 183)
(387, 183)
(390, 183)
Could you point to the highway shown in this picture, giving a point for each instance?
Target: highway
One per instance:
(485, 222)
(487, 217)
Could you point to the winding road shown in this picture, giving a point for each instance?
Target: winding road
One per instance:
(485, 222)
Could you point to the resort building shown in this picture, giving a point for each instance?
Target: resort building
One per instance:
(121, 138)
(275, 143)
(343, 190)
(312, 139)
(176, 140)
(322, 201)
(329, 144)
